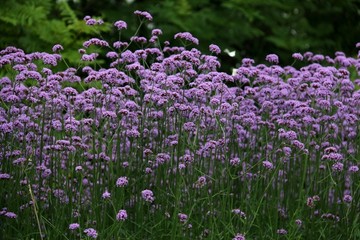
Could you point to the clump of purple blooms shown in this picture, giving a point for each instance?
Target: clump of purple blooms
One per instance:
(91, 233)
(148, 195)
(278, 143)
(121, 215)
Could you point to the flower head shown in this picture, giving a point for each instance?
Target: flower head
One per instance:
(144, 14)
(10, 215)
(298, 56)
(57, 48)
(281, 231)
(120, 25)
(239, 236)
(106, 195)
(147, 195)
(121, 215)
(122, 182)
(90, 232)
(272, 58)
(353, 169)
(347, 198)
(267, 165)
(187, 36)
(214, 49)
(234, 161)
(74, 226)
(156, 32)
(182, 217)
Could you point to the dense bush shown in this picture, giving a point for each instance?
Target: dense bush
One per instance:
(159, 144)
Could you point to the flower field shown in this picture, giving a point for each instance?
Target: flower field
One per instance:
(149, 140)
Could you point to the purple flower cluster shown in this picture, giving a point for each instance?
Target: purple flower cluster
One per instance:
(120, 25)
(122, 182)
(165, 117)
(239, 236)
(90, 232)
(189, 37)
(182, 218)
(121, 215)
(74, 226)
(144, 14)
(148, 195)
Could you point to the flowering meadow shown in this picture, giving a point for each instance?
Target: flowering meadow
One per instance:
(147, 139)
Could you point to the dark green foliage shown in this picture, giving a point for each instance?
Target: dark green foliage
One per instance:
(257, 27)
(254, 28)
(36, 25)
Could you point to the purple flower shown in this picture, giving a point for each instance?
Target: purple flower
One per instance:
(247, 62)
(310, 202)
(10, 215)
(182, 217)
(138, 39)
(57, 48)
(214, 49)
(112, 55)
(316, 198)
(19, 161)
(95, 41)
(74, 226)
(161, 158)
(290, 135)
(156, 32)
(106, 195)
(187, 36)
(121, 215)
(120, 25)
(190, 127)
(90, 232)
(239, 236)
(317, 58)
(147, 195)
(331, 217)
(272, 58)
(347, 198)
(46, 173)
(200, 182)
(297, 56)
(234, 162)
(337, 167)
(298, 144)
(298, 222)
(267, 165)
(353, 169)
(4, 176)
(119, 44)
(122, 182)
(239, 212)
(144, 14)
(89, 57)
(91, 22)
(78, 168)
(182, 166)
(281, 231)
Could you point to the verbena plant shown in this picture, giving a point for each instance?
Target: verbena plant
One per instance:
(160, 145)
